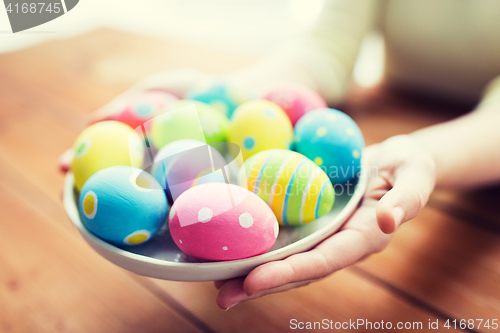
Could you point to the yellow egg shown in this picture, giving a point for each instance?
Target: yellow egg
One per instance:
(260, 125)
(103, 145)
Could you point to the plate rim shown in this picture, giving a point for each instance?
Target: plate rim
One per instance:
(179, 271)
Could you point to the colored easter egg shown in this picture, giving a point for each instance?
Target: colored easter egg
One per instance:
(141, 107)
(103, 145)
(222, 222)
(177, 124)
(215, 125)
(296, 189)
(333, 141)
(123, 205)
(260, 125)
(183, 164)
(295, 100)
(223, 96)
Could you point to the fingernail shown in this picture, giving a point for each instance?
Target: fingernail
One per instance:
(251, 294)
(398, 215)
(232, 305)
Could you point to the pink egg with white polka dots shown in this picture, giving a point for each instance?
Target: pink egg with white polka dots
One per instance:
(295, 100)
(219, 221)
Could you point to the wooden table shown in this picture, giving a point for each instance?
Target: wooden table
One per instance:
(443, 265)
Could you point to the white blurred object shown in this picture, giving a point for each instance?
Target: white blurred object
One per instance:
(236, 25)
(369, 68)
(250, 27)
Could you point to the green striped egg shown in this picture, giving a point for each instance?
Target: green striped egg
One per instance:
(297, 190)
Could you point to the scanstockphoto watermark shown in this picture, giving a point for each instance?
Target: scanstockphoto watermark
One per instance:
(368, 325)
(357, 324)
(333, 172)
(266, 184)
(298, 179)
(26, 14)
(266, 188)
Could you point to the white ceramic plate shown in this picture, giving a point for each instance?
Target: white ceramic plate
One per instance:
(161, 258)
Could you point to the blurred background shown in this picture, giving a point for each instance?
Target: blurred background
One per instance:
(228, 25)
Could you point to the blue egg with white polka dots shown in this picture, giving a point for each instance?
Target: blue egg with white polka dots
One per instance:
(224, 97)
(123, 205)
(333, 141)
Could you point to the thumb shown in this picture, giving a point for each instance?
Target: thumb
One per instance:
(413, 184)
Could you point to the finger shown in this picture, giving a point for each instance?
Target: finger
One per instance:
(219, 284)
(336, 252)
(65, 160)
(413, 185)
(232, 292)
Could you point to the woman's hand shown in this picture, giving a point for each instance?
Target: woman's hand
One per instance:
(176, 81)
(402, 177)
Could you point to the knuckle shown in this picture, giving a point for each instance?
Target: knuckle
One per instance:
(419, 199)
(326, 266)
(381, 246)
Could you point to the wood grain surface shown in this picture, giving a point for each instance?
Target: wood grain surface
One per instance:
(445, 264)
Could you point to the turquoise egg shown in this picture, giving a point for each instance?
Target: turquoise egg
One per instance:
(333, 141)
(222, 96)
(123, 205)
